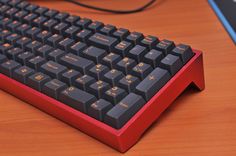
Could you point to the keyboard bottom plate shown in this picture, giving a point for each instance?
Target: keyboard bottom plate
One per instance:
(129, 134)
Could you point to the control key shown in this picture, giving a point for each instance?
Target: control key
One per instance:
(124, 110)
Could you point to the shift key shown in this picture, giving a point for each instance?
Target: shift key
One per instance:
(152, 83)
(76, 98)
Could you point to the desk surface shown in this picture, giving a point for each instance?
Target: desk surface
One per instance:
(197, 123)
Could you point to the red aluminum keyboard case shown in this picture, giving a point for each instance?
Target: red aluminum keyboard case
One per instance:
(124, 138)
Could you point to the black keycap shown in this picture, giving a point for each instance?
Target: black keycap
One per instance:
(22, 42)
(53, 88)
(83, 35)
(4, 22)
(3, 9)
(121, 33)
(55, 55)
(24, 57)
(22, 5)
(13, 25)
(29, 18)
(38, 22)
(4, 47)
(71, 31)
(149, 41)
(36, 62)
(102, 41)
(22, 29)
(84, 82)
(107, 29)
(70, 76)
(113, 76)
(135, 37)
(31, 7)
(54, 40)
(12, 53)
(4, 34)
(95, 26)
(44, 50)
(165, 46)
(3, 58)
(184, 52)
(124, 110)
(48, 25)
(76, 62)
(111, 59)
(83, 22)
(98, 88)
(21, 74)
(14, 2)
(50, 13)
(20, 15)
(41, 10)
(137, 52)
(4, 1)
(60, 28)
(12, 38)
(129, 82)
(37, 80)
(126, 65)
(77, 48)
(153, 57)
(8, 67)
(94, 54)
(141, 70)
(43, 36)
(153, 83)
(171, 63)
(9, 13)
(33, 46)
(77, 98)
(32, 32)
(99, 108)
(53, 69)
(115, 95)
(65, 44)
(122, 48)
(98, 71)
(61, 16)
(72, 19)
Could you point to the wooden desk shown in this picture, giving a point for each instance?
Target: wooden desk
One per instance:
(198, 123)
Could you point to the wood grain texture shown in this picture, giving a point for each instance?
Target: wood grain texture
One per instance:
(198, 123)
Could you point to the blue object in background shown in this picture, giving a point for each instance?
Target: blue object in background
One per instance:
(223, 19)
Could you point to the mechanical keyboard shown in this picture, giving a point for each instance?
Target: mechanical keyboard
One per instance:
(108, 82)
